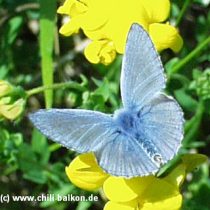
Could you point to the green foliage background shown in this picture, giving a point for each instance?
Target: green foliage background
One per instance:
(31, 53)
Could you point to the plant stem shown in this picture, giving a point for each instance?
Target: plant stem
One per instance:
(184, 80)
(192, 125)
(190, 56)
(27, 6)
(72, 85)
(183, 10)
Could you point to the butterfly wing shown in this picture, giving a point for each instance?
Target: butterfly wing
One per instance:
(79, 130)
(142, 71)
(90, 131)
(160, 130)
(125, 157)
(117, 153)
(142, 79)
(162, 124)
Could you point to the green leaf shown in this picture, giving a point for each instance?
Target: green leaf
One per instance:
(12, 30)
(64, 190)
(196, 74)
(103, 89)
(192, 161)
(9, 146)
(17, 138)
(186, 100)
(7, 38)
(192, 125)
(3, 71)
(47, 31)
(32, 169)
(36, 176)
(170, 64)
(26, 158)
(40, 146)
(84, 205)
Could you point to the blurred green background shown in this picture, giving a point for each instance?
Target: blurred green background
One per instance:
(29, 163)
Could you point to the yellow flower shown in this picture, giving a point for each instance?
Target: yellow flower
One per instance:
(149, 193)
(5, 88)
(145, 193)
(107, 22)
(10, 110)
(84, 172)
(10, 106)
(140, 193)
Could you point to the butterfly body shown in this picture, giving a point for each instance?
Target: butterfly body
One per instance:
(138, 138)
(127, 121)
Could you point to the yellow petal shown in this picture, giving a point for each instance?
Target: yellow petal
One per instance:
(95, 16)
(12, 111)
(123, 190)
(92, 51)
(107, 53)
(85, 173)
(157, 10)
(72, 8)
(100, 51)
(165, 36)
(5, 100)
(96, 35)
(116, 189)
(89, 22)
(192, 161)
(176, 176)
(5, 88)
(70, 27)
(65, 8)
(159, 190)
(78, 8)
(117, 206)
(171, 203)
(118, 25)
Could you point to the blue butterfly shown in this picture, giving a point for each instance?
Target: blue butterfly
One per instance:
(138, 138)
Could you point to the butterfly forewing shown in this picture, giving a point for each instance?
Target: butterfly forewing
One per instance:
(80, 130)
(142, 71)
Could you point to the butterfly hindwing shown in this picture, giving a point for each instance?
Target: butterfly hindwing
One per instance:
(162, 123)
(125, 157)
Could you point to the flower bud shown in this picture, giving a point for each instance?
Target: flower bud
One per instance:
(9, 110)
(5, 88)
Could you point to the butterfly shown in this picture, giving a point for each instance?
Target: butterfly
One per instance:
(137, 139)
